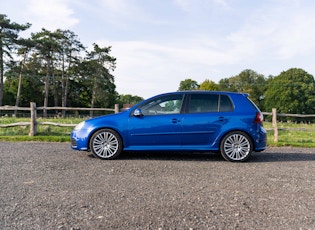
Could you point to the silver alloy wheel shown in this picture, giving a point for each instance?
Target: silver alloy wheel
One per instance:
(106, 144)
(236, 146)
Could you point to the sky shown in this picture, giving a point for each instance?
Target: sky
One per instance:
(159, 43)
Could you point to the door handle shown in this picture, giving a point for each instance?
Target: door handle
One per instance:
(222, 119)
(175, 120)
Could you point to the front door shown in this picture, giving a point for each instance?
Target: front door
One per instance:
(159, 126)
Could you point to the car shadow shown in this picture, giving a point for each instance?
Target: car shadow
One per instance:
(258, 157)
(281, 157)
(171, 155)
(168, 156)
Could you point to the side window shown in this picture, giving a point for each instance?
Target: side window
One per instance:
(225, 104)
(169, 104)
(205, 103)
(201, 103)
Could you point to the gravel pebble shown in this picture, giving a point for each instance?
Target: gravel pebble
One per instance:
(50, 186)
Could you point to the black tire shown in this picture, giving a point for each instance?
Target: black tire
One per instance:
(106, 144)
(236, 146)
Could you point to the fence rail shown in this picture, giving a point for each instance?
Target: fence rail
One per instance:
(13, 108)
(33, 110)
(290, 115)
(33, 122)
(275, 128)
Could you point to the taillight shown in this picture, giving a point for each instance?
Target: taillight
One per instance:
(258, 118)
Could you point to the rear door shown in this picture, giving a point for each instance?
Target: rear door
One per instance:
(205, 116)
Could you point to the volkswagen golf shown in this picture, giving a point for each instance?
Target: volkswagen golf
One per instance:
(225, 122)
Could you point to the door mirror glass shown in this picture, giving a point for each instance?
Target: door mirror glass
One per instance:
(137, 113)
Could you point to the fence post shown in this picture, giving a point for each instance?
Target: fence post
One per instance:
(274, 124)
(33, 119)
(116, 108)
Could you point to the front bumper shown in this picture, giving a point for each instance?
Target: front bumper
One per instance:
(79, 140)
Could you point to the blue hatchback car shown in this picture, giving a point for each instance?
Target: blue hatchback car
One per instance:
(225, 122)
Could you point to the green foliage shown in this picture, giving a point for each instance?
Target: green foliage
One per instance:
(208, 85)
(96, 69)
(248, 81)
(9, 32)
(188, 84)
(293, 91)
(128, 99)
(54, 73)
(32, 89)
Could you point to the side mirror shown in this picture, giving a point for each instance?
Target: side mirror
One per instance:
(137, 113)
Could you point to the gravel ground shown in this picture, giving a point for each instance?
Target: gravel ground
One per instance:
(50, 186)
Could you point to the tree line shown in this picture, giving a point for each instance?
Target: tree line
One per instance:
(292, 91)
(53, 68)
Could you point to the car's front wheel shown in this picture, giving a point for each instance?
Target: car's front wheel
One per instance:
(106, 144)
(236, 146)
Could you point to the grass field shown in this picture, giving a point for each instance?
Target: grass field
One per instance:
(301, 135)
(44, 132)
(292, 134)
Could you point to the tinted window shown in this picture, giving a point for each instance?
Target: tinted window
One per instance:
(201, 103)
(225, 104)
(170, 104)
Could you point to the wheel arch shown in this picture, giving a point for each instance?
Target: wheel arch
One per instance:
(99, 128)
(237, 130)
(235, 149)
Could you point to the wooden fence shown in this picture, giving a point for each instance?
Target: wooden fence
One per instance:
(33, 121)
(275, 128)
(33, 110)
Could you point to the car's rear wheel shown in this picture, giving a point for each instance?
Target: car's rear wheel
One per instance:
(236, 146)
(106, 144)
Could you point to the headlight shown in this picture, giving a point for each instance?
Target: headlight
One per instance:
(79, 126)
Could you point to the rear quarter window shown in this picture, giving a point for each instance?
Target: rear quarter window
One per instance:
(226, 104)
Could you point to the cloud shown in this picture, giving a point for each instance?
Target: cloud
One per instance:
(200, 5)
(117, 6)
(159, 43)
(143, 65)
(279, 32)
(50, 14)
(119, 10)
(295, 37)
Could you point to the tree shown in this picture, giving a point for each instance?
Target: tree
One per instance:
(47, 48)
(69, 58)
(293, 91)
(8, 39)
(30, 85)
(32, 89)
(226, 84)
(96, 71)
(208, 85)
(128, 99)
(188, 84)
(248, 81)
(25, 47)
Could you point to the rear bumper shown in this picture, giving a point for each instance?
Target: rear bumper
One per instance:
(261, 140)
